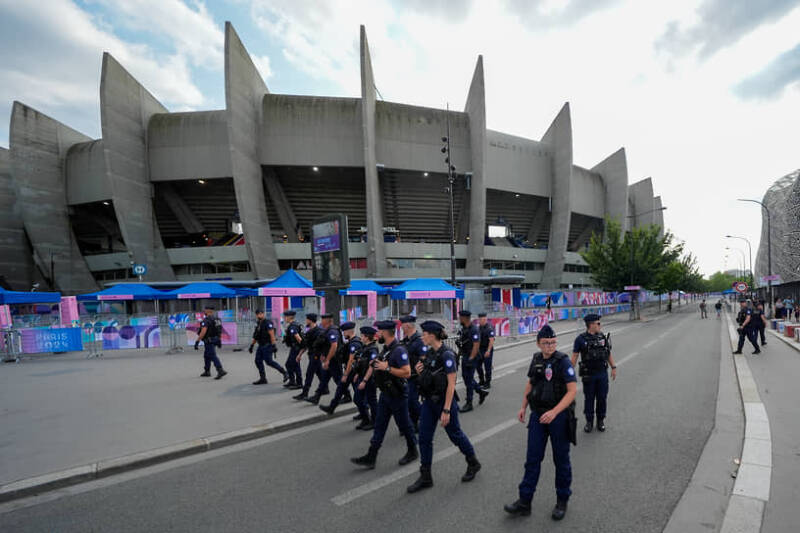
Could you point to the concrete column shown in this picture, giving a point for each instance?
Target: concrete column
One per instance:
(244, 102)
(16, 263)
(614, 171)
(559, 139)
(538, 218)
(376, 259)
(281, 204)
(181, 210)
(476, 111)
(643, 203)
(125, 110)
(658, 215)
(39, 146)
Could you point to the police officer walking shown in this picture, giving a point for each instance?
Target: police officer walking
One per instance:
(351, 347)
(293, 339)
(264, 335)
(366, 397)
(313, 346)
(746, 330)
(760, 322)
(468, 345)
(390, 370)
(211, 336)
(330, 340)
(417, 351)
(485, 351)
(594, 349)
(550, 393)
(437, 384)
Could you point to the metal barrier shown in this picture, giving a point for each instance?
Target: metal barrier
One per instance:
(10, 345)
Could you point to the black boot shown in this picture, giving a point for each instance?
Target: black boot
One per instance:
(262, 381)
(601, 424)
(205, 374)
(287, 379)
(737, 352)
(302, 396)
(358, 417)
(295, 386)
(472, 468)
(366, 425)
(467, 407)
(411, 454)
(221, 374)
(346, 398)
(482, 396)
(588, 427)
(424, 481)
(314, 399)
(518, 508)
(488, 384)
(367, 460)
(559, 510)
(328, 408)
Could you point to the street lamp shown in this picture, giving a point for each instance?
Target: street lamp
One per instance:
(769, 246)
(634, 314)
(742, 264)
(451, 179)
(750, 250)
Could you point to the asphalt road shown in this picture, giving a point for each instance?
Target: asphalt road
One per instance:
(661, 411)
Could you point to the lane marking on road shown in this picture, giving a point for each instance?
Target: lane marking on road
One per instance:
(384, 481)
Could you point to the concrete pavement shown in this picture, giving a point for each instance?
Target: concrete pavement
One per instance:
(628, 479)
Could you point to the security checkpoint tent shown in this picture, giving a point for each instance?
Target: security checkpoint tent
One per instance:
(122, 292)
(289, 284)
(198, 291)
(368, 288)
(426, 289)
(22, 297)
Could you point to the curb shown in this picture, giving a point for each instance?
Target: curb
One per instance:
(107, 467)
(785, 339)
(751, 490)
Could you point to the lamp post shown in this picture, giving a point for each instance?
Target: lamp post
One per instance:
(634, 313)
(750, 251)
(769, 246)
(451, 179)
(742, 264)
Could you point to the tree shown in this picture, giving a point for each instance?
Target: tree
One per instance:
(609, 255)
(720, 281)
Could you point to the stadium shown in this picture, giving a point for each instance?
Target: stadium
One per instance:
(230, 194)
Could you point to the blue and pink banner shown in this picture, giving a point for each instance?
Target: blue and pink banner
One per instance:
(42, 340)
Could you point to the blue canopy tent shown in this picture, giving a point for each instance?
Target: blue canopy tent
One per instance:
(123, 292)
(358, 289)
(360, 286)
(426, 289)
(21, 297)
(201, 290)
(289, 284)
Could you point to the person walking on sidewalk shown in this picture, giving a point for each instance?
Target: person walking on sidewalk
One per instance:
(468, 342)
(759, 322)
(293, 339)
(703, 312)
(745, 329)
(264, 335)
(594, 349)
(718, 308)
(550, 393)
(211, 337)
(313, 341)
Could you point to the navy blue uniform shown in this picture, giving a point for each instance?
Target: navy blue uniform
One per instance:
(485, 354)
(555, 371)
(594, 353)
(334, 370)
(314, 367)
(416, 351)
(210, 341)
(442, 361)
(266, 348)
(393, 400)
(468, 336)
(748, 332)
(351, 349)
(368, 397)
(759, 323)
(292, 366)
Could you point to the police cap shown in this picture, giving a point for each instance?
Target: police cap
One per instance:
(464, 312)
(591, 317)
(311, 316)
(431, 326)
(408, 319)
(368, 330)
(326, 315)
(211, 307)
(386, 325)
(481, 315)
(546, 332)
(347, 325)
(259, 312)
(289, 312)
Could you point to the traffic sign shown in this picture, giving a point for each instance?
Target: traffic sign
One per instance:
(139, 270)
(740, 286)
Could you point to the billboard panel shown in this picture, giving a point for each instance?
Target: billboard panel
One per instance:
(329, 254)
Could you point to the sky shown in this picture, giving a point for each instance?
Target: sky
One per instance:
(704, 95)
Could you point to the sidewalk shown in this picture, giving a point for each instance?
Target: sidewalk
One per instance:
(62, 411)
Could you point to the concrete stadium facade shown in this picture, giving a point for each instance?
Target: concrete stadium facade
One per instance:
(783, 201)
(229, 194)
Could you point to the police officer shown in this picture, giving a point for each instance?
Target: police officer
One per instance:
(264, 335)
(331, 339)
(550, 393)
(468, 345)
(437, 384)
(390, 370)
(366, 398)
(485, 351)
(745, 330)
(293, 339)
(351, 346)
(417, 351)
(760, 322)
(595, 351)
(313, 347)
(211, 336)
